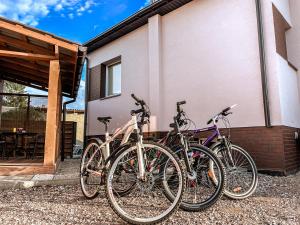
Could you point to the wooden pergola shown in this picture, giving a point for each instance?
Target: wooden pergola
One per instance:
(41, 60)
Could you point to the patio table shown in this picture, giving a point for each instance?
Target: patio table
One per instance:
(17, 136)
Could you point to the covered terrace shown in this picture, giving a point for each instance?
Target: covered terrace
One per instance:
(37, 59)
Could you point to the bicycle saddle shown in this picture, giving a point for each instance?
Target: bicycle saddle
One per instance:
(105, 119)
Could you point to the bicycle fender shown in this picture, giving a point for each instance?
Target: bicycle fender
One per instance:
(98, 140)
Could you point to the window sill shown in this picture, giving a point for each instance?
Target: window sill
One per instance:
(292, 66)
(111, 96)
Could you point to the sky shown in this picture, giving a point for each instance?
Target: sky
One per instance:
(76, 20)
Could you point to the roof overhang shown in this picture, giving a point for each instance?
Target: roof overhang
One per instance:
(25, 53)
(137, 20)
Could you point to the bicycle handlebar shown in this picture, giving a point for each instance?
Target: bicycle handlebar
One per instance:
(224, 112)
(139, 101)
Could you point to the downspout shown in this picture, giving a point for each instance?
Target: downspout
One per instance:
(86, 101)
(62, 152)
(264, 79)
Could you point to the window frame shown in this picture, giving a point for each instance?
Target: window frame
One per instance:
(104, 77)
(107, 78)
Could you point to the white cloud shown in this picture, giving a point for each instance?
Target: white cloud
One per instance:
(147, 2)
(71, 15)
(31, 11)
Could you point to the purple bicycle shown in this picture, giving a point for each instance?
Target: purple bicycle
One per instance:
(241, 171)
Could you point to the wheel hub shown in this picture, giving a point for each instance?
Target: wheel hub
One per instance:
(192, 175)
(146, 184)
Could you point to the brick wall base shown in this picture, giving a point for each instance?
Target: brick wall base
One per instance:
(274, 150)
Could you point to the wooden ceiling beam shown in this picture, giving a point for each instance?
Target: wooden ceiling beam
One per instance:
(25, 79)
(24, 45)
(23, 75)
(22, 70)
(28, 56)
(29, 65)
(15, 80)
(37, 35)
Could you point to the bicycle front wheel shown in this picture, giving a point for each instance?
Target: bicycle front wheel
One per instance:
(146, 203)
(240, 170)
(201, 192)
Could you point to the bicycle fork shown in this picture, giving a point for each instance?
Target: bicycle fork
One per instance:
(185, 154)
(229, 155)
(141, 159)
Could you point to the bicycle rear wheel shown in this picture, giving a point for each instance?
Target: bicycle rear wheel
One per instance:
(146, 203)
(241, 171)
(201, 193)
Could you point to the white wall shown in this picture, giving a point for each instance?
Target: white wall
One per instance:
(289, 94)
(293, 35)
(208, 54)
(133, 50)
(288, 78)
(211, 59)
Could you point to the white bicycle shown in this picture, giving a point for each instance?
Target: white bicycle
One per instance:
(131, 172)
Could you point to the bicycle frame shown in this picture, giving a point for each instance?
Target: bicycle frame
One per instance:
(129, 128)
(209, 139)
(216, 134)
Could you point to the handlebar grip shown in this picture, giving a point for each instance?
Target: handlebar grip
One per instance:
(226, 110)
(209, 122)
(137, 99)
(181, 103)
(137, 111)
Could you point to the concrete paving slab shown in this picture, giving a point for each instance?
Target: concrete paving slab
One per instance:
(40, 177)
(24, 177)
(67, 174)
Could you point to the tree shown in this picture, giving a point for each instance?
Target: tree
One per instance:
(14, 101)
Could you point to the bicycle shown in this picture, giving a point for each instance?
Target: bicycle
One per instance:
(241, 171)
(201, 192)
(133, 184)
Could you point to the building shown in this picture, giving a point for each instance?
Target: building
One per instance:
(211, 53)
(35, 58)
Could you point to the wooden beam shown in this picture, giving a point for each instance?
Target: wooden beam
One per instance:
(21, 69)
(38, 35)
(15, 79)
(26, 64)
(24, 76)
(24, 55)
(24, 45)
(52, 139)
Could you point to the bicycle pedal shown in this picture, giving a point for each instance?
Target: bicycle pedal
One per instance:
(237, 189)
(97, 174)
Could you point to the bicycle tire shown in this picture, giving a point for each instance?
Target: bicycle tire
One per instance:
(196, 207)
(174, 204)
(253, 186)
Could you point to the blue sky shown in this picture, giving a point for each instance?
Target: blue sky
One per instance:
(76, 20)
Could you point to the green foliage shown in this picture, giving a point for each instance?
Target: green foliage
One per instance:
(18, 114)
(14, 101)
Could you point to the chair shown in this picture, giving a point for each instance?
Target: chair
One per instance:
(39, 146)
(29, 145)
(8, 145)
(2, 146)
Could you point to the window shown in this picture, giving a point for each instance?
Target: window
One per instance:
(113, 79)
(111, 76)
(280, 26)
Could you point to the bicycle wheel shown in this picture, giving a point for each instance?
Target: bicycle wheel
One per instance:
(146, 203)
(201, 192)
(240, 169)
(90, 182)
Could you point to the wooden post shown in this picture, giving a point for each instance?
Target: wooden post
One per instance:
(53, 114)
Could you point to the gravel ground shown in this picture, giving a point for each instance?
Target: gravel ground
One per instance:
(276, 201)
